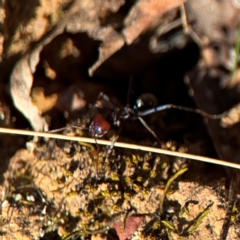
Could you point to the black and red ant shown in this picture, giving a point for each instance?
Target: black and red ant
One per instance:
(100, 126)
(145, 105)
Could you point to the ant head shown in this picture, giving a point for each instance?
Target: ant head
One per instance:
(99, 126)
(145, 101)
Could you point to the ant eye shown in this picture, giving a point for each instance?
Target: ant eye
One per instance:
(146, 100)
(99, 126)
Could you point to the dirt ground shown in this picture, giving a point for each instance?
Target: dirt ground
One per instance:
(56, 57)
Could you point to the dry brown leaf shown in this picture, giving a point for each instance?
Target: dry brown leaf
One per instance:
(22, 78)
(87, 20)
(209, 19)
(29, 24)
(143, 14)
(232, 116)
(112, 42)
(21, 83)
(82, 16)
(43, 103)
(98, 237)
(71, 99)
(132, 224)
(233, 81)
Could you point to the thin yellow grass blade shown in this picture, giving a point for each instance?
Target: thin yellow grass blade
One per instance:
(120, 145)
(169, 182)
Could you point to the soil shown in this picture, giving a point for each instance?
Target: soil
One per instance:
(56, 59)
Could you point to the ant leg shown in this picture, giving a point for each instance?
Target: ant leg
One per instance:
(149, 129)
(98, 149)
(59, 129)
(187, 109)
(113, 140)
(103, 97)
(64, 128)
(129, 90)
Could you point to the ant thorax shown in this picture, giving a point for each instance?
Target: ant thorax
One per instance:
(127, 112)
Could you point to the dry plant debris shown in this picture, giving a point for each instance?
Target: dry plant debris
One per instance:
(56, 188)
(54, 57)
(81, 16)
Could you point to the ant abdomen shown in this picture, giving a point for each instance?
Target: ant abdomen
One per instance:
(99, 126)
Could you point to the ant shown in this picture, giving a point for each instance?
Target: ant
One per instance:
(100, 126)
(145, 105)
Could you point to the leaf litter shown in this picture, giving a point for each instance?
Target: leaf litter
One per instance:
(52, 188)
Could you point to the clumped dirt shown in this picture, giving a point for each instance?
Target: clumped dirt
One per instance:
(56, 58)
(68, 188)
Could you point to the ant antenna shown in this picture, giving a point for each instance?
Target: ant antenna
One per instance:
(129, 90)
(108, 101)
(187, 109)
(64, 128)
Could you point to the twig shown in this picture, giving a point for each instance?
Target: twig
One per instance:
(121, 145)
